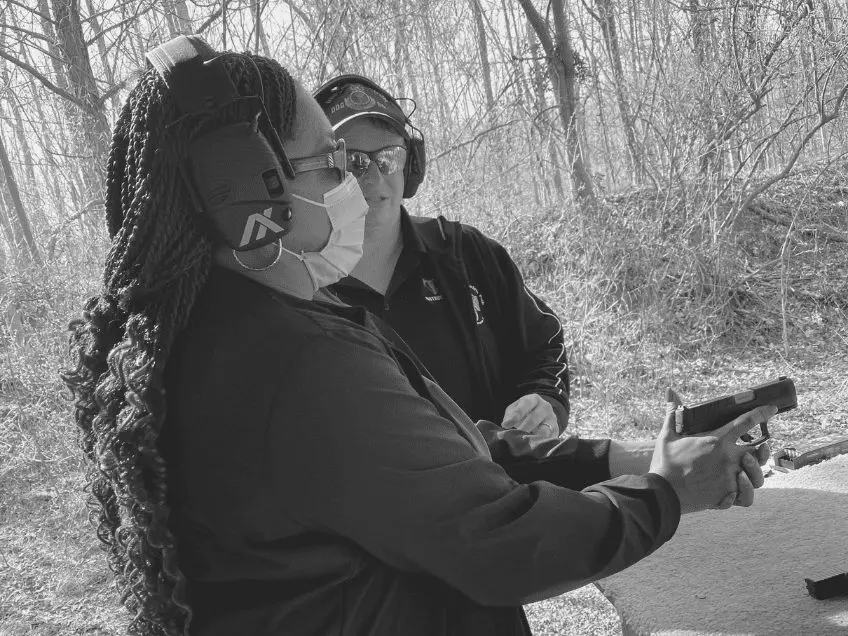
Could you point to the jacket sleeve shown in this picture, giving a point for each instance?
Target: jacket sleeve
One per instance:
(356, 452)
(535, 359)
(571, 462)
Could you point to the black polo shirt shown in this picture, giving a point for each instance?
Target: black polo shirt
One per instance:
(415, 308)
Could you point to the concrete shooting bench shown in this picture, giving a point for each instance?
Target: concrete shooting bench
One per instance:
(741, 571)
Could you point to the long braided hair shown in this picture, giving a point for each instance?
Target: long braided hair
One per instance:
(159, 260)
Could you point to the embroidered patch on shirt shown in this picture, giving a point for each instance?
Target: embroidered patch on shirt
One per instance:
(478, 303)
(431, 292)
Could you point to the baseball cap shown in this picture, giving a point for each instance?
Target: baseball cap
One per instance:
(358, 100)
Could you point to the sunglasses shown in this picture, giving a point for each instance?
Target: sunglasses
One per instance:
(389, 160)
(336, 160)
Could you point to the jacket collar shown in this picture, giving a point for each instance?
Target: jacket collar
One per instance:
(423, 234)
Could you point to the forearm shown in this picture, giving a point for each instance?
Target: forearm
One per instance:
(632, 457)
(571, 463)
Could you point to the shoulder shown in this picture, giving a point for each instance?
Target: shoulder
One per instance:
(471, 234)
(441, 235)
(243, 316)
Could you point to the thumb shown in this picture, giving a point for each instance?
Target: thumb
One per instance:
(515, 412)
(672, 401)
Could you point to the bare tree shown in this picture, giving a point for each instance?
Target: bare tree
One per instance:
(483, 48)
(177, 16)
(606, 18)
(21, 229)
(556, 43)
(541, 118)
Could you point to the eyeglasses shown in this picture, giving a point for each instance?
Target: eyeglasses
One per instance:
(336, 160)
(389, 160)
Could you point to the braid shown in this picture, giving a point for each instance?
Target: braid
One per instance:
(159, 260)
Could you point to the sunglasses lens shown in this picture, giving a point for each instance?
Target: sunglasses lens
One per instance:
(357, 163)
(389, 159)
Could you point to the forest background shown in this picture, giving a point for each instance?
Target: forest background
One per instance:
(670, 175)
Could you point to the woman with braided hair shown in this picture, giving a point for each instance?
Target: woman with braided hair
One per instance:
(263, 463)
(160, 259)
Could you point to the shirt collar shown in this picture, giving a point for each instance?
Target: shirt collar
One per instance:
(422, 242)
(410, 236)
(414, 244)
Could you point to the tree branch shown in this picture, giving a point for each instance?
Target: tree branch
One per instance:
(120, 24)
(539, 26)
(828, 232)
(476, 137)
(826, 118)
(107, 95)
(47, 83)
(32, 34)
(32, 11)
(215, 15)
(301, 14)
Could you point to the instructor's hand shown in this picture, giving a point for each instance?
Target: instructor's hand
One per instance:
(532, 414)
(710, 470)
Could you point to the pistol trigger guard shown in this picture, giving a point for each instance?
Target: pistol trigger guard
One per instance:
(748, 440)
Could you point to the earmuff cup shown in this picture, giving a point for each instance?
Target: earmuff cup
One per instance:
(413, 170)
(416, 157)
(237, 174)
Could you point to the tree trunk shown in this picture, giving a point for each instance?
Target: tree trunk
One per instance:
(53, 51)
(436, 69)
(538, 81)
(398, 56)
(561, 69)
(92, 124)
(183, 18)
(13, 98)
(827, 17)
(5, 223)
(710, 155)
(524, 96)
(261, 40)
(23, 225)
(176, 14)
(104, 56)
(483, 48)
(606, 16)
(404, 68)
(29, 162)
(170, 19)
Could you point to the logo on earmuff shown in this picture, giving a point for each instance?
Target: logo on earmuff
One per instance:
(358, 99)
(264, 222)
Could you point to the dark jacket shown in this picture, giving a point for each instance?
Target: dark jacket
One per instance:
(319, 484)
(509, 342)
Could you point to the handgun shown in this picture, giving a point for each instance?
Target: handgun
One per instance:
(715, 413)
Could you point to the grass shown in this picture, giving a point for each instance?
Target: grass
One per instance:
(648, 296)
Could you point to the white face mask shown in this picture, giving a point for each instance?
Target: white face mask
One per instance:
(346, 208)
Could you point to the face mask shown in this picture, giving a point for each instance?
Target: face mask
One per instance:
(346, 208)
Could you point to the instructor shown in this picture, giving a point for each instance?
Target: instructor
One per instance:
(454, 295)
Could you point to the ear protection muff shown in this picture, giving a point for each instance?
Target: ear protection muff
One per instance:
(237, 172)
(416, 158)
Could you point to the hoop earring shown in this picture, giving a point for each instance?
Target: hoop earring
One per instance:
(278, 243)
